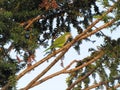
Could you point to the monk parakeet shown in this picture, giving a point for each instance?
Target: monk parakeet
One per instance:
(60, 41)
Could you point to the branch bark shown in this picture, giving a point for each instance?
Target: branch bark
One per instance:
(65, 70)
(80, 79)
(101, 83)
(45, 70)
(28, 23)
(54, 74)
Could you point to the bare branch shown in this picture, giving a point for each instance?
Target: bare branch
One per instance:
(80, 79)
(54, 74)
(64, 71)
(95, 85)
(28, 23)
(101, 83)
(101, 53)
(118, 85)
(45, 70)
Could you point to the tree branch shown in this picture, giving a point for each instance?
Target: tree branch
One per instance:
(101, 53)
(101, 83)
(54, 74)
(65, 70)
(95, 85)
(28, 23)
(45, 70)
(80, 79)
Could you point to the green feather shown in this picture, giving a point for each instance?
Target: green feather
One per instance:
(60, 41)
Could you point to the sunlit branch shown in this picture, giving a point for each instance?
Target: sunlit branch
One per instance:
(64, 71)
(87, 63)
(118, 85)
(28, 23)
(99, 84)
(54, 74)
(80, 79)
(45, 70)
(95, 85)
(96, 21)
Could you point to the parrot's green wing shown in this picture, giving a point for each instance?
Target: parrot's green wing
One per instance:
(59, 42)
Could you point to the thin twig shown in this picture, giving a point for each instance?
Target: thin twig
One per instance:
(28, 23)
(95, 85)
(80, 79)
(101, 83)
(87, 63)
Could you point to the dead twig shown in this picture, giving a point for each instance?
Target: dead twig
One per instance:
(80, 79)
(28, 23)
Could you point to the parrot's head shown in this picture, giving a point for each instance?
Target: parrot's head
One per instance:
(68, 35)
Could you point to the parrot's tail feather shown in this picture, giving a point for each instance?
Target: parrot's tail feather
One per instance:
(46, 49)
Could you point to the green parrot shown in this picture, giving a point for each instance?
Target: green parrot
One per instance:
(60, 41)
